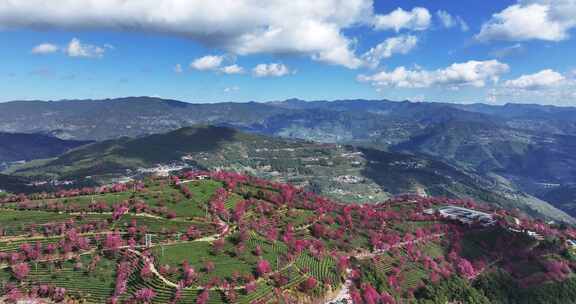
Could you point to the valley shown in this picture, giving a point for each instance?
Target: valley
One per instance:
(497, 143)
(342, 172)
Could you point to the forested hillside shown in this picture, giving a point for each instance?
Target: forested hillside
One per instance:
(345, 173)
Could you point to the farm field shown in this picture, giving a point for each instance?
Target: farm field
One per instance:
(218, 237)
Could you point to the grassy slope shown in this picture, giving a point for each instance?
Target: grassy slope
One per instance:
(97, 285)
(311, 165)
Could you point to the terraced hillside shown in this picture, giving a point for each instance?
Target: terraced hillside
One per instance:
(227, 238)
(342, 172)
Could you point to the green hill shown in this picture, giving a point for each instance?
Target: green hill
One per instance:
(342, 172)
(18, 147)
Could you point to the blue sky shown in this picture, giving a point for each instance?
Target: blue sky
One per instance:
(243, 50)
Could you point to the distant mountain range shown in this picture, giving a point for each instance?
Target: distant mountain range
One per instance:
(108, 119)
(526, 148)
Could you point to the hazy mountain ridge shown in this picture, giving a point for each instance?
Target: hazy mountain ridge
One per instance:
(107, 119)
(145, 115)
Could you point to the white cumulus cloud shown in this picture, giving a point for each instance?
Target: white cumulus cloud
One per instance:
(312, 28)
(45, 48)
(541, 80)
(270, 70)
(418, 19)
(472, 73)
(75, 48)
(207, 63)
(215, 63)
(233, 69)
(78, 49)
(544, 87)
(395, 45)
(549, 20)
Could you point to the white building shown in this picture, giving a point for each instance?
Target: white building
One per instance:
(467, 216)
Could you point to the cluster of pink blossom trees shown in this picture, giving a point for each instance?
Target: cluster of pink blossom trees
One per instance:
(309, 284)
(369, 295)
(20, 271)
(144, 295)
(230, 179)
(263, 267)
(217, 203)
(555, 270)
(69, 193)
(124, 269)
(334, 229)
(36, 294)
(203, 297)
(68, 246)
(189, 274)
